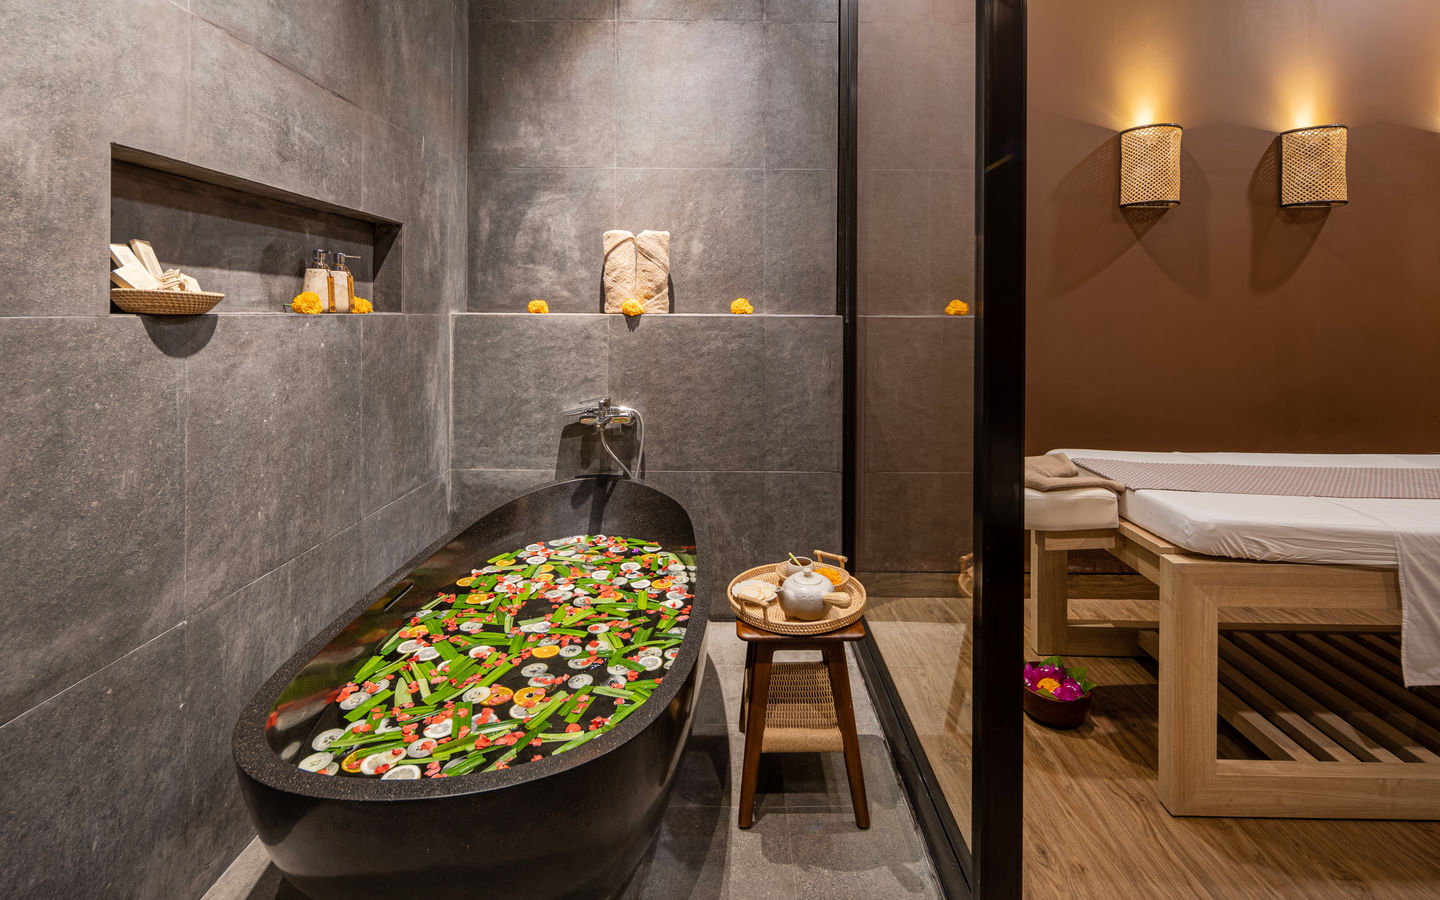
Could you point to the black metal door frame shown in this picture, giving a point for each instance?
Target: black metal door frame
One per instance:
(992, 868)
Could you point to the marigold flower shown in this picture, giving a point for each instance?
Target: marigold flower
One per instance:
(307, 302)
(537, 306)
(1049, 685)
(957, 308)
(741, 307)
(632, 307)
(361, 305)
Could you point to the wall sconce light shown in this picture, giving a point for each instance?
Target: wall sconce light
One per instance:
(1312, 166)
(1150, 166)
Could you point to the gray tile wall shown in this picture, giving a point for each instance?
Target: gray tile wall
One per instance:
(712, 119)
(916, 254)
(742, 417)
(188, 500)
(715, 120)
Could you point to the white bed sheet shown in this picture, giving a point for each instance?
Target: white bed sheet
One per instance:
(1274, 528)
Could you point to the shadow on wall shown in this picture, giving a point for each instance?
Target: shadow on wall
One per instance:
(1092, 231)
(179, 336)
(1280, 239)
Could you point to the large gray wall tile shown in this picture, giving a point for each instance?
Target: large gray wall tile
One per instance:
(513, 376)
(715, 218)
(700, 390)
(54, 148)
(731, 509)
(725, 10)
(802, 63)
(412, 56)
(389, 168)
(801, 10)
(324, 40)
(918, 389)
(898, 106)
(542, 93)
(272, 437)
(537, 234)
(690, 94)
(950, 77)
(92, 517)
(951, 233)
(800, 242)
(803, 393)
(894, 252)
(101, 816)
(914, 522)
(231, 648)
(803, 513)
(308, 143)
(325, 581)
(474, 492)
(399, 531)
(434, 236)
(542, 9)
(404, 405)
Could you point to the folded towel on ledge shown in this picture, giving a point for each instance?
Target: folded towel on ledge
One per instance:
(1055, 472)
(637, 266)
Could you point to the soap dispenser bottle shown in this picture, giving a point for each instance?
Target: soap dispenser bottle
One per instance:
(343, 281)
(317, 280)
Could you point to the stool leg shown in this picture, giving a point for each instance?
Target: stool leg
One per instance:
(754, 732)
(745, 684)
(845, 714)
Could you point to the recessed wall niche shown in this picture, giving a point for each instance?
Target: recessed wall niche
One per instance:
(247, 240)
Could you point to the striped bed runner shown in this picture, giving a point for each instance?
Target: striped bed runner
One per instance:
(1376, 482)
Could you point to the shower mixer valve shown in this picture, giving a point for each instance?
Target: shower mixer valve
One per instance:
(602, 414)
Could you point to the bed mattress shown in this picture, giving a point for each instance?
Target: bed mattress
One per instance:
(1275, 528)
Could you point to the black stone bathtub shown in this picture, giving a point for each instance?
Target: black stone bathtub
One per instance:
(573, 825)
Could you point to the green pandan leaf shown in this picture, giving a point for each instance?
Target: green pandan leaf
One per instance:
(1051, 661)
(1078, 674)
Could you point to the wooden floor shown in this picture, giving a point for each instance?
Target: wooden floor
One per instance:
(1094, 827)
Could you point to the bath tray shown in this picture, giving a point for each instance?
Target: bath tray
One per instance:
(165, 303)
(771, 617)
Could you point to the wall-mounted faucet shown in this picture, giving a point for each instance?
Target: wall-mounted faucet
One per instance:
(602, 415)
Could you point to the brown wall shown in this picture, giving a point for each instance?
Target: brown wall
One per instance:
(1227, 323)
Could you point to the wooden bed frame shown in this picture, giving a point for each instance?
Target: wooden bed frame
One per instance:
(1196, 595)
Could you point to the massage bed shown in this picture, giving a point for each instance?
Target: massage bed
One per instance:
(1271, 572)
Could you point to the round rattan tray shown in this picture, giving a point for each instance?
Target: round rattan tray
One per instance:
(165, 303)
(771, 617)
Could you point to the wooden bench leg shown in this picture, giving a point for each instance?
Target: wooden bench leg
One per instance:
(1050, 601)
(1189, 675)
(759, 695)
(845, 717)
(745, 684)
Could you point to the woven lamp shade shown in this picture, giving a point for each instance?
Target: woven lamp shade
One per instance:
(1150, 166)
(1312, 166)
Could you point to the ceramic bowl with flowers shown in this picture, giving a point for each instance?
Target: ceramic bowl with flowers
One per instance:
(1055, 694)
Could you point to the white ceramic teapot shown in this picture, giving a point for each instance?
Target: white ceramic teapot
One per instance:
(805, 594)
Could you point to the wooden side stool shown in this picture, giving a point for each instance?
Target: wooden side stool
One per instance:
(798, 707)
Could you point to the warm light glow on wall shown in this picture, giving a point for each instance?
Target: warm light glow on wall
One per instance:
(1150, 166)
(1312, 166)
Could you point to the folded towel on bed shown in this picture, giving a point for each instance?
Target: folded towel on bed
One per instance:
(1055, 472)
(637, 266)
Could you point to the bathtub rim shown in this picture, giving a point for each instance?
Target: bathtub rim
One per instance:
(256, 761)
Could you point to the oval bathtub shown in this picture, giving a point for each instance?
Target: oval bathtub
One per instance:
(568, 825)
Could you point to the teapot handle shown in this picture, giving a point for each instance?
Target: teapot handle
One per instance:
(838, 599)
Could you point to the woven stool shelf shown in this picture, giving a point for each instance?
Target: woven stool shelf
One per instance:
(771, 617)
(798, 707)
(165, 303)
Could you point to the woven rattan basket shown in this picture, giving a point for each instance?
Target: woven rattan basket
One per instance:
(165, 303)
(771, 617)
